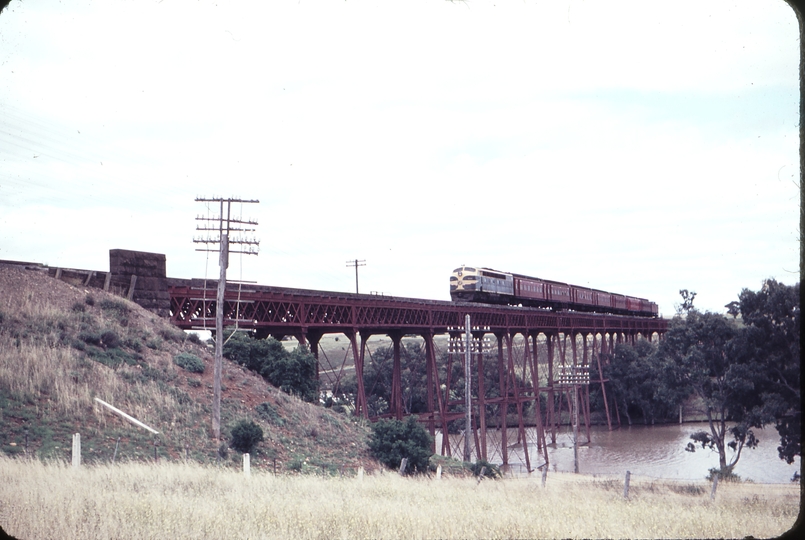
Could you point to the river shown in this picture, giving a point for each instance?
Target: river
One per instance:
(656, 451)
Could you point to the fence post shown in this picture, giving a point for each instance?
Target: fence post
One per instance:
(481, 474)
(715, 485)
(544, 474)
(247, 465)
(626, 485)
(438, 472)
(77, 450)
(360, 474)
(403, 464)
(117, 444)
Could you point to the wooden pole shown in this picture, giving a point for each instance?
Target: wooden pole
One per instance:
(467, 386)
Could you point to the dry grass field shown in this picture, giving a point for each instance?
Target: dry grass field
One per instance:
(140, 500)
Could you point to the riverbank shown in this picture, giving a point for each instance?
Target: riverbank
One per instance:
(140, 500)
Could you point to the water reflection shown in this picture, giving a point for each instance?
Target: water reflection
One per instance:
(657, 451)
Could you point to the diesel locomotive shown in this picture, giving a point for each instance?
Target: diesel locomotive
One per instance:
(473, 284)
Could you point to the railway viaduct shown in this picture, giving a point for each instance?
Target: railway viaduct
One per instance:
(536, 352)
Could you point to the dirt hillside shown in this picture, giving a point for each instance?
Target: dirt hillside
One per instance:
(63, 345)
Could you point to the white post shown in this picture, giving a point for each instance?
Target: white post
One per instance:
(246, 465)
(77, 450)
(360, 474)
(439, 472)
(626, 485)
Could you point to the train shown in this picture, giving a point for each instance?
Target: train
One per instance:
(474, 284)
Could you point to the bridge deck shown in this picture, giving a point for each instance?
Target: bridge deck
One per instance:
(283, 311)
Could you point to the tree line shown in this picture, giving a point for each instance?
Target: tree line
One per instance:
(744, 367)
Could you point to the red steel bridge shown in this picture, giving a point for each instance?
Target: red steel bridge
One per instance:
(535, 352)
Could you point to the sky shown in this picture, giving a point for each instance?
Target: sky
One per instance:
(631, 146)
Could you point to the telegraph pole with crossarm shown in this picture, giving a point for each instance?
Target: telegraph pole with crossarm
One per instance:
(221, 227)
(356, 263)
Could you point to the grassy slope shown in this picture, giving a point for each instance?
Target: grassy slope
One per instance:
(63, 345)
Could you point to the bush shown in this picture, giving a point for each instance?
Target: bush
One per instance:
(392, 440)
(116, 306)
(490, 470)
(193, 338)
(89, 300)
(245, 436)
(268, 412)
(189, 362)
(293, 372)
(109, 340)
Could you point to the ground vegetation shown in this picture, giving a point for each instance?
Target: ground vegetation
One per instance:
(145, 500)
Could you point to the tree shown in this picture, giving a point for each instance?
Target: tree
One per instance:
(393, 440)
(645, 381)
(245, 436)
(293, 372)
(771, 339)
(708, 349)
(687, 301)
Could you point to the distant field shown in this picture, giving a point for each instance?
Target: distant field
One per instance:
(139, 500)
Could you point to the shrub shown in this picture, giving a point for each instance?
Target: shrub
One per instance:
(90, 338)
(489, 470)
(109, 340)
(193, 338)
(116, 306)
(78, 307)
(189, 362)
(392, 440)
(89, 300)
(245, 436)
(269, 413)
(293, 372)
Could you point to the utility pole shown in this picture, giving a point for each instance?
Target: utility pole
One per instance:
(574, 377)
(223, 225)
(467, 386)
(356, 263)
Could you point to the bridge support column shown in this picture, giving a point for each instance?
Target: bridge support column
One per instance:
(481, 450)
(511, 376)
(433, 389)
(396, 377)
(313, 339)
(597, 355)
(551, 339)
(360, 400)
(504, 403)
(532, 359)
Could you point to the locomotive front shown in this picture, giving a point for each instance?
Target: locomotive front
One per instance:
(471, 284)
(464, 284)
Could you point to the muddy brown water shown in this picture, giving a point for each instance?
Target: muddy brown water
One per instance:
(656, 451)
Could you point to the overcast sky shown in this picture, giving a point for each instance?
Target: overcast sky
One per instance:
(636, 147)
